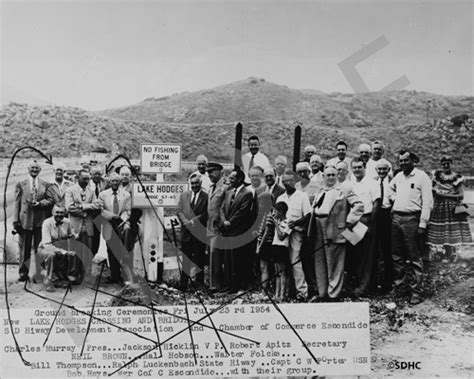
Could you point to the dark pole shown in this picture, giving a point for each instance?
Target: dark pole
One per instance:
(238, 147)
(296, 147)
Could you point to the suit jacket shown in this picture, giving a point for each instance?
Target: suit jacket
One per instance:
(28, 216)
(347, 208)
(58, 195)
(82, 208)
(198, 216)
(103, 185)
(107, 200)
(239, 213)
(214, 203)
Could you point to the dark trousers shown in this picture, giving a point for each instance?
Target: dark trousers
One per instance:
(234, 266)
(407, 252)
(383, 237)
(194, 252)
(26, 239)
(363, 259)
(308, 262)
(95, 241)
(216, 262)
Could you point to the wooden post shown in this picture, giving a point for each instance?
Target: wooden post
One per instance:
(161, 215)
(238, 147)
(296, 146)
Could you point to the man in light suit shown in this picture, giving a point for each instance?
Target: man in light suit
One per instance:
(116, 208)
(57, 188)
(216, 254)
(82, 208)
(236, 217)
(31, 207)
(333, 211)
(192, 213)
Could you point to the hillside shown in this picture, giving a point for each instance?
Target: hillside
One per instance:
(204, 121)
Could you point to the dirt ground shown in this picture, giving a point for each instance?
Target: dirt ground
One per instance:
(438, 333)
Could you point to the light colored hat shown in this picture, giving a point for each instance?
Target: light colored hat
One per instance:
(303, 166)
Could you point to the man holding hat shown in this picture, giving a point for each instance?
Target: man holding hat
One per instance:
(217, 191)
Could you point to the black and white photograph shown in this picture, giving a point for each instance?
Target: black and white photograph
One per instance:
(236, 188)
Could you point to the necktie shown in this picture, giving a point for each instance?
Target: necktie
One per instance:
(232, 198)
(34, 190)
(58, 228)
(193, 201)
(251, 162)
(116, 204)
(321, 199)
(97, 190)
(381, 190)
(213, 187)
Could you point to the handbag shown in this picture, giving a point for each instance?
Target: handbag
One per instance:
(461, 210)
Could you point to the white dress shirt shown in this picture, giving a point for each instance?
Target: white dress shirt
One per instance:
(259, 159)
(367, 190)
(412, 193)
(298, 206)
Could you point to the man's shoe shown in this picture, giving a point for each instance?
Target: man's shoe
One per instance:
(23, 278)
(415, 299)
(49, 287)
(111, 281)
(318, 299)
(300, 298)
(38, 278)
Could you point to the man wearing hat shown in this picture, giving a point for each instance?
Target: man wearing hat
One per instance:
(412, 203)
(216, 197)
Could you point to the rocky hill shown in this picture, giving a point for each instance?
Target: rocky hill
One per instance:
(204, 121)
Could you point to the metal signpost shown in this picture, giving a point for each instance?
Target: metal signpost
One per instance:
(157, 159)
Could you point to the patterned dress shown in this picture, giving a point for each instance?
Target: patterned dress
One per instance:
(445, 228)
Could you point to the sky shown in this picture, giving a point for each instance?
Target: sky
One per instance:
(106, 54)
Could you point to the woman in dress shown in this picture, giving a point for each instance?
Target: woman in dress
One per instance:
(446, 229)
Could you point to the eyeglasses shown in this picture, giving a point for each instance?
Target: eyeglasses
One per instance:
(329, 175)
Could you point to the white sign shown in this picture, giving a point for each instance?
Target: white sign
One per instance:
(160, 158)
(160, 194)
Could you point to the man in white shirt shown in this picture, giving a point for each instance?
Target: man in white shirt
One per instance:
(201, 163)
(361, 264)
(309, 151)
(413, 200)
(304, 183)
(384, 227)
(341, 149)
(254, 157)
(317, 168)
(343, 182)
(299, 210)
(377, 154)
(280, 167)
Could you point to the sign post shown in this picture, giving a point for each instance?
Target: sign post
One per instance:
(157, 159)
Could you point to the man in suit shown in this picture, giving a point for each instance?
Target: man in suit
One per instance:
(271, 185)
(235, 220)
(217, 191)
(126, 176)
(280, 167)
(31, 207)
(82, 208)
(333, 210)
(116, 208)
(97, 184)
(57, 188)
(192, 213)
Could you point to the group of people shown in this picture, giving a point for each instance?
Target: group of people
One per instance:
(346, 226)
(352, 226)
(65, 246)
